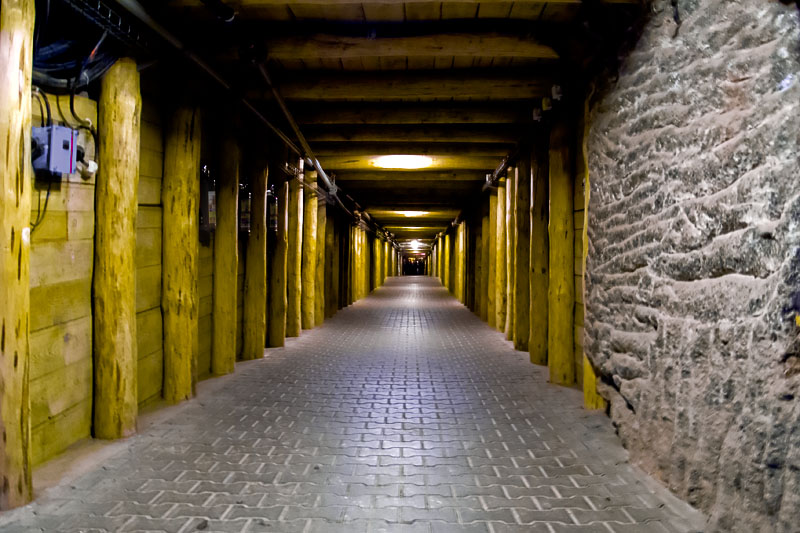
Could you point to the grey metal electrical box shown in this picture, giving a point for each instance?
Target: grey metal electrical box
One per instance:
(55, 149)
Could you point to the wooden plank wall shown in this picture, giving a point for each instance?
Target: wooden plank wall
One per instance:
(62, 256)
(149, 332)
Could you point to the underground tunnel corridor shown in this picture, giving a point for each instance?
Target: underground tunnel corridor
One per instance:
(404, 413)
(400, 265)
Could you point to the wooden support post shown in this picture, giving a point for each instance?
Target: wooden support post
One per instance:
(331, 271)
(484, 309)
(539, 256)
(461, 264)
(491, 310)
(591, 398)
(226, 257)
(367, 261)
(511, 250)
(321, 287)
(448, 275)
(352, 265)
(180, 195)
(16, 178)
(522, 255)
(480, 297)
(561, 290)
(115, 351)
(277, 269)
(440, 257)
(377, 246)
(387, 260)
(309, 264)
(294, 260)
(501, 304)
(254, 321)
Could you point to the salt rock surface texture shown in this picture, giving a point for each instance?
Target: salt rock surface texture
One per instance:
(694, 257)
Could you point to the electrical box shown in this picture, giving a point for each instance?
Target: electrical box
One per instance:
(55, 149)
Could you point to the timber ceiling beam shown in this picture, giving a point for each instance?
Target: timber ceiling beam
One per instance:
(444, 149)
(329, 46)
(457, 85)
(513, 112)
(409, 176)
(248, 4)
(473, 133)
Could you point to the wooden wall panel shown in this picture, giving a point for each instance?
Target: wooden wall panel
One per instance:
(62, 249)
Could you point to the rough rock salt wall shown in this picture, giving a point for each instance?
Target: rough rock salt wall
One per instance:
(694, 258)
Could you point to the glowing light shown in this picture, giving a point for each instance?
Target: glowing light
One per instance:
(405, 162)
(415, 244)
(412, 213)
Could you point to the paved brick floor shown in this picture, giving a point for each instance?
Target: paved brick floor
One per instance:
(404, 413)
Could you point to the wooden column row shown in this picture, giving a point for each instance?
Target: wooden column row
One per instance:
(524, 266)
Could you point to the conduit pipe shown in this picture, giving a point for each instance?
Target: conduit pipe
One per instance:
(136, 9)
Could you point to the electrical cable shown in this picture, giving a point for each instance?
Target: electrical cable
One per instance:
(41, 212)
(43, 98)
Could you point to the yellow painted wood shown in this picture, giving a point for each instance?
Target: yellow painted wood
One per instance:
(179, 297)
(254, 319)
(539, 256)
(478, 281)
(321, 266)
(226, 259)
(441, 113)
(366, 262)
(440, 258)
(376, 266)
(522, 254)
(501, 274)
(294, 260)
(331, 270)
(511, 252)
(16, 58)
(394, 86)
(561, 298)
(433, 45)
(387, 261)
(485, 245)
(591, 398)
(115, 298)
(309, 260)
(461, 255)
(277, 271)
(491, 288)
(56, 434)
(448, 260)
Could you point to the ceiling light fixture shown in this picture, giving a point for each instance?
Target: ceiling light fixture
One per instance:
(412, 213)
(404, 162)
